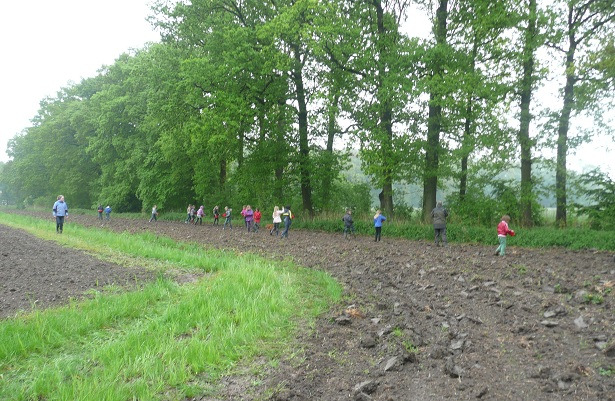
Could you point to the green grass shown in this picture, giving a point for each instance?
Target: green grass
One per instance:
(166, 341)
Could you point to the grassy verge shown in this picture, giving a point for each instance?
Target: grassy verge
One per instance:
(165, 341)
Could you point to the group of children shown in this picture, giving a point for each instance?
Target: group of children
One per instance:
(106, 210)
(193, 215)
(349, 229)
(252, 220)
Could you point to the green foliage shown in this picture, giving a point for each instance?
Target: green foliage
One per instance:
(485, 204)
(247, 104)
(600, 191)
(410, 347)
(595, 299)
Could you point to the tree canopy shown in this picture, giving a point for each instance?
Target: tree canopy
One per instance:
(262, 103)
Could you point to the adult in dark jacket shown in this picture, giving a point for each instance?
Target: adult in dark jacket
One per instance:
(348, 224)
(439, 215)
(287, 217)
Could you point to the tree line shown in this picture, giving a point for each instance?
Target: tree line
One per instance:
(247, 101)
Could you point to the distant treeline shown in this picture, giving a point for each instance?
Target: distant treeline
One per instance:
(262, 103)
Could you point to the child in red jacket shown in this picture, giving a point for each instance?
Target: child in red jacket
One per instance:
(257, 219)
(503, 231)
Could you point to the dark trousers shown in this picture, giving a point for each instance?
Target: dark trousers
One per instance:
(59, 223)
(440, 234)
(378, 233)
(348, 230)
(287, 223)
(275, 229)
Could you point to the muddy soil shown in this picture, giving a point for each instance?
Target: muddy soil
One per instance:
(420, 322)
(37, 274)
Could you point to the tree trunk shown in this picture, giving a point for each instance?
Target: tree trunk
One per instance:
(430, 182)
(564, 125)
(434, 123)
(328, 175)
(467, 140)
(386, 201)
(463, 176)
(386, 118)
(527, 187)
(562, 140)
(304, 149)
(278, 187)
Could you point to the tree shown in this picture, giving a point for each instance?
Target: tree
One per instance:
(600, 189)
(479, 100)
(49, 157)
(434, 119)
(586, 24)
(364, 44)
(259, 62)
(526, 88)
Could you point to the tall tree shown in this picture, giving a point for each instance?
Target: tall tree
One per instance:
(434, 119)
(364, 41)
(250, 45)
(586, 23)
(477, 30)
(530, 45)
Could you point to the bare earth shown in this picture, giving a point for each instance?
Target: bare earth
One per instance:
(417, 322)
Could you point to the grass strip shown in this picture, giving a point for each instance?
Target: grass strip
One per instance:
(165, 341)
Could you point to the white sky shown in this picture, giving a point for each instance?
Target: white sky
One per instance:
(46, 44)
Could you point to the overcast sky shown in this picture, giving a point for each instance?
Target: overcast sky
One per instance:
(47, 44)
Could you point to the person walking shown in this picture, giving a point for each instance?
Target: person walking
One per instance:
(277, 219)
(348, 224)
(287, 217)
(188, 209)
(199, 216)
(227, 216)
(248, 215)
(257, 219)
(154, 214)
(60, 212)
(503, 231)
(438, 216)
(100, 211)
(378, 220)
(108, 213)
(192, 214)
(216, 213)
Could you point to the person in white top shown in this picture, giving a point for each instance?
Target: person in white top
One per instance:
(277, 219)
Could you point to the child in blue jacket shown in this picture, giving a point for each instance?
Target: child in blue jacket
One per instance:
(378, 219)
